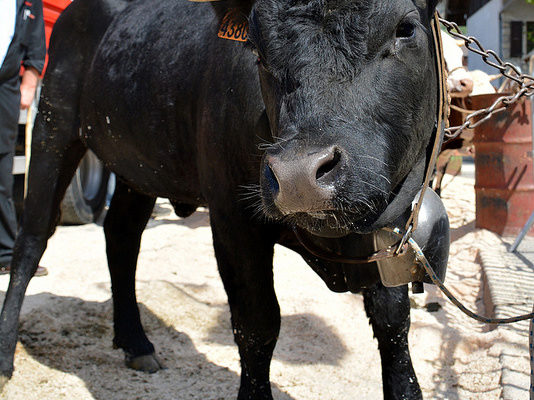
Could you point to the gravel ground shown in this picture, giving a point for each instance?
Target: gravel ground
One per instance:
(326, 349)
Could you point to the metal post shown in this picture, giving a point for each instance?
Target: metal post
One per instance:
(530, 221)
(531, 353)
(522, 234)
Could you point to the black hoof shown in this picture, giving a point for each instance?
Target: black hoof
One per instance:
(147, 363)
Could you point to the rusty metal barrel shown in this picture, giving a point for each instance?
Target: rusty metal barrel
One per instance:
(504, 179)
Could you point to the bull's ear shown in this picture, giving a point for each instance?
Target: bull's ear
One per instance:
(241, 7)
(430, 5)
(244, 6)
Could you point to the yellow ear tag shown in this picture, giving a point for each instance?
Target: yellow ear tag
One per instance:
(234, 26)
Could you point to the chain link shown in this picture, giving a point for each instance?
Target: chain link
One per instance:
(525, 83)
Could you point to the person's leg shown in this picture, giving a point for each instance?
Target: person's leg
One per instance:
(9, 116)
(8, 222)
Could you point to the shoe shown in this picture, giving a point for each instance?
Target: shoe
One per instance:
(41, 271)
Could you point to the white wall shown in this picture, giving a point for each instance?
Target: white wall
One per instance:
(485, 26)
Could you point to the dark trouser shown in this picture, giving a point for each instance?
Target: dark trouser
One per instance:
(9, 115)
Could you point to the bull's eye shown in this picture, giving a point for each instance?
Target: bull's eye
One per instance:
(405, 30)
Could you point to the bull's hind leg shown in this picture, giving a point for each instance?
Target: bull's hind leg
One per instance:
(124, 224)
(244, 256)
(389, 312)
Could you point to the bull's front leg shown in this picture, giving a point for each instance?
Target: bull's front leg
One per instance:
(244, 256)
(389, 312)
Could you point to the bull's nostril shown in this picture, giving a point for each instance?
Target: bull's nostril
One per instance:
(271, 180)
(328, 166)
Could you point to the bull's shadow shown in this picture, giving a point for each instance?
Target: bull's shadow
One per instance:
(317, 343)
(74, 336)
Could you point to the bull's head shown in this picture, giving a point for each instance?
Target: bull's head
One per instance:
(350, 89)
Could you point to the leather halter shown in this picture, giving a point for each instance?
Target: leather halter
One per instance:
(442, 116)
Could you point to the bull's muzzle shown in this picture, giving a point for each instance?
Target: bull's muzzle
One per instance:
(304, 181)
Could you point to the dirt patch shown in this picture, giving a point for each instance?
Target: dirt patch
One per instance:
(326, 348)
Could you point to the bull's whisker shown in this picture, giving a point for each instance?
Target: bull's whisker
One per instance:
(376, 159)
(376, 187)
(373, 172)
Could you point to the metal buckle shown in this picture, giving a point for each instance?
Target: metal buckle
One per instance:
(404, 239)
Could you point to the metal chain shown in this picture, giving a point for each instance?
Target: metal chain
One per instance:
(436, 281)
(508, 70)
(525, 89)
(423, 261)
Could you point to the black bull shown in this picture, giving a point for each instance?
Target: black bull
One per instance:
(325, 128)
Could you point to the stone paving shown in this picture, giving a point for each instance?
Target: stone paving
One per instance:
(509, 280)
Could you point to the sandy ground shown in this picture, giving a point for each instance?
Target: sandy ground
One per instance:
(326, 348)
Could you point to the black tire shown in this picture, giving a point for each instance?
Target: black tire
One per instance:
(85, 198)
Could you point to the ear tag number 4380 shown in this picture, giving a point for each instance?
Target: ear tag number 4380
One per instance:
(234, 26)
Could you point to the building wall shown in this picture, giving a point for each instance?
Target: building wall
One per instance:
(485, 26)
(475, 5)
(518, 10)
(491, 24)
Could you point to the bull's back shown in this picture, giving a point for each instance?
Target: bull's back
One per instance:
(74, 39)
(158, 71)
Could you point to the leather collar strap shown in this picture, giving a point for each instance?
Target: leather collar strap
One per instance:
(442, 119)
